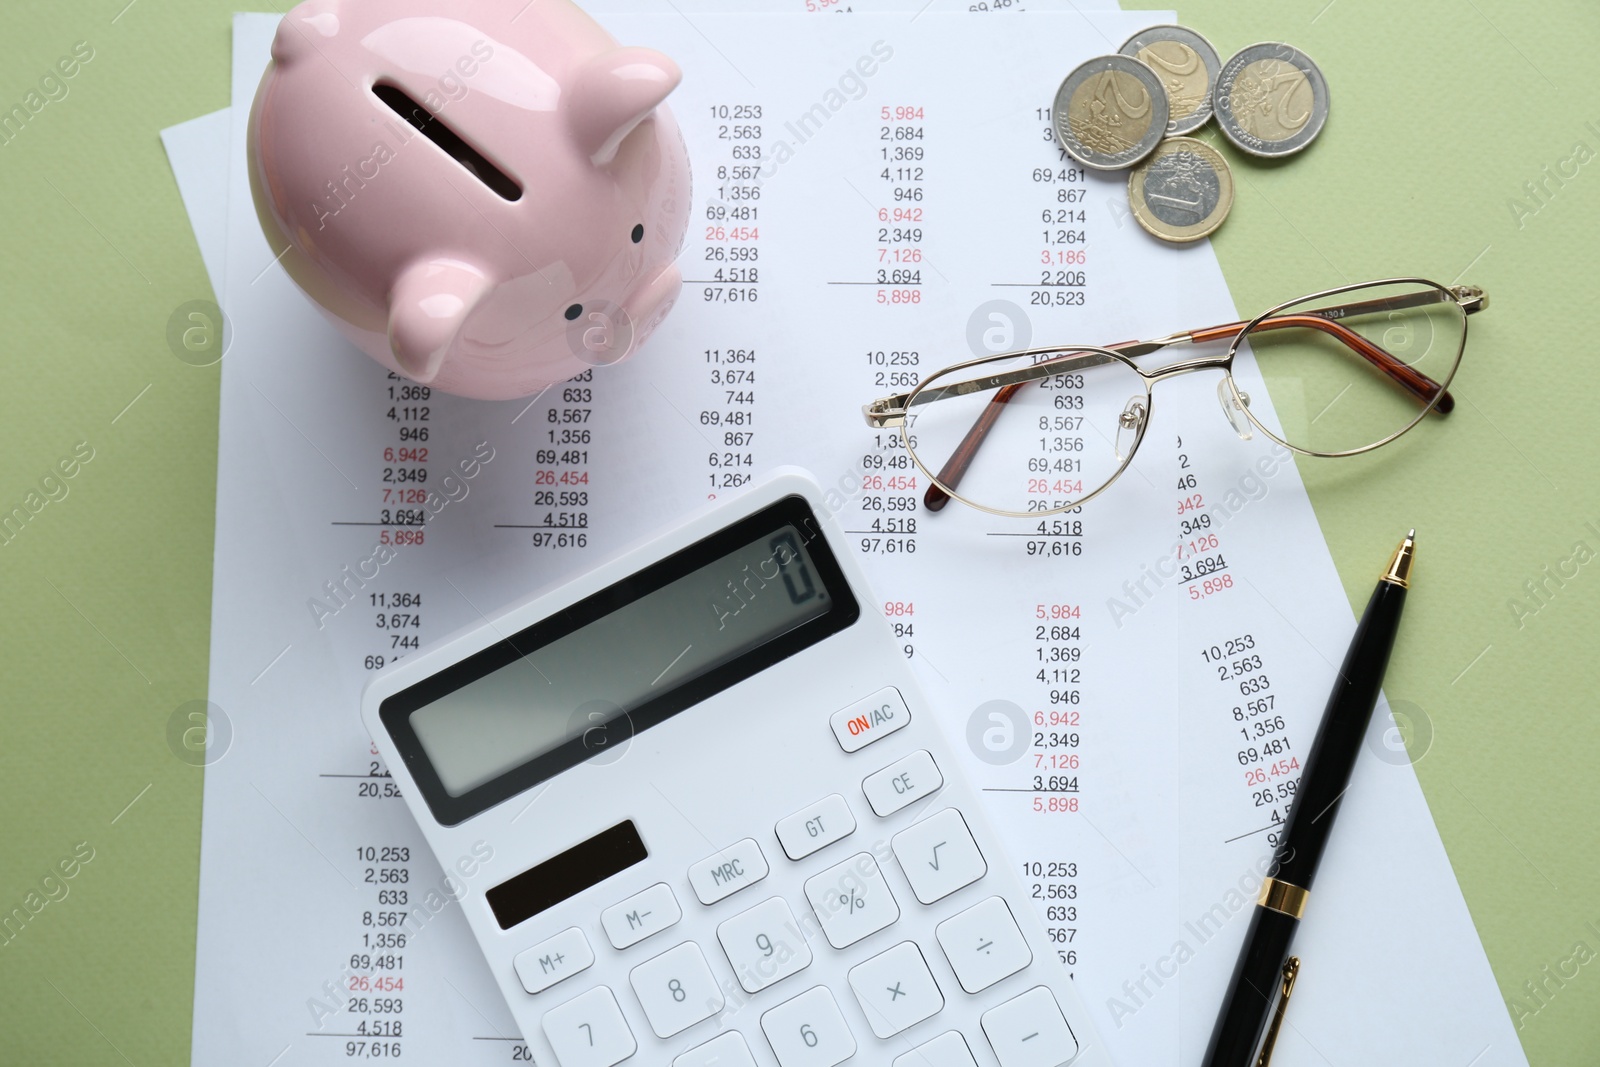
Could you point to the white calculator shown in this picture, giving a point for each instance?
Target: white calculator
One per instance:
(701, 816)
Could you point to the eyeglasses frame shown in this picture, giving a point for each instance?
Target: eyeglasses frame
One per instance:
(894, 411)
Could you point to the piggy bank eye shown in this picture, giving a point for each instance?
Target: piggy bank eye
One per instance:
(638, 233)
(574, 311)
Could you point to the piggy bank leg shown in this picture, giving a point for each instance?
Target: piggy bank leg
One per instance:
(427, 307)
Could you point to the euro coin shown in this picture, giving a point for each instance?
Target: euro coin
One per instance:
(1187, 66)
(1182, 192)
(1271, 100)
(1110, 112)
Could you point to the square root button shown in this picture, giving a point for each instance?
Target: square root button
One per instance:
(863, 722)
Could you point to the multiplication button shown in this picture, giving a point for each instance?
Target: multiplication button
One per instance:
(815, 827)
(896, 989)
(727, 872)
(938, 855)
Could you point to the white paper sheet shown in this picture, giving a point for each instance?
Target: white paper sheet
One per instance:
(1159, 861)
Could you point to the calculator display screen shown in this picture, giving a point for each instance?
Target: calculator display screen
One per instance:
(579, 684)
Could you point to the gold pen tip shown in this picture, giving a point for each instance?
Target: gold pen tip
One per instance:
(1399, 572)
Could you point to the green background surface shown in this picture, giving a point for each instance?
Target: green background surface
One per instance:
(1442, 113)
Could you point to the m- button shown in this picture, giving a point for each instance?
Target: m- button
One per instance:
(728, 871)
(645, 913)
(863, 722)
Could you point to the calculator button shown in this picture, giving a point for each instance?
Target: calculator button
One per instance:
(676, 989)
(949, 1049)
(553, 959)
(1030, 1031)
(863, 722)
(764, 944)
(808, 1031)
(727, 872)
(729, 1050)
(851, 900)
(939, 856)
(983, 945)
(811, 828)
(903, 782)
(641, 915)
(589, 1031)
(895, 989)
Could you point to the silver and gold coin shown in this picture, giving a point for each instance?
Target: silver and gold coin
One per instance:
(1187, 66)
(1182, 192)
(1110, 112)
(1271, 100)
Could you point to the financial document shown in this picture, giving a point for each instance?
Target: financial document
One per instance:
(1137, 683)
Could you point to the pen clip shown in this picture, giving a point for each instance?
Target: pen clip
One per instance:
(1291, 971)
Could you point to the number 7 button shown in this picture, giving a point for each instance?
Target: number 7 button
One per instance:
(939, 856)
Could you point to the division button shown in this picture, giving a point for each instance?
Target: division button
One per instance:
(983, 945)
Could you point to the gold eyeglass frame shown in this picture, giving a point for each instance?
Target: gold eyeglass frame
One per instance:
(895, 411)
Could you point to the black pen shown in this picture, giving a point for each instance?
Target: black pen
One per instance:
(1266, 970)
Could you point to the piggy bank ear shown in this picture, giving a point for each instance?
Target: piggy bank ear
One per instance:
(613, 93)
(427, 307)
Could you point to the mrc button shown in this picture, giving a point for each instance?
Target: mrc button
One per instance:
(728, 871)
(863, 722)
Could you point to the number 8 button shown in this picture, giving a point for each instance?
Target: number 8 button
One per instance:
(676, 989)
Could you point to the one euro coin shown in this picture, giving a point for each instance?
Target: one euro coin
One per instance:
(1187, 66)
(1182, 192)
(1110, 112)
(1271, 100)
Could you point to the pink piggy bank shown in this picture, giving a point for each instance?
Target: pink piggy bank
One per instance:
(484, 195)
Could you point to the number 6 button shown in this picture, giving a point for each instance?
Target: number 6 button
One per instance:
(808, 1031)
(676, 989)
(589, 1031)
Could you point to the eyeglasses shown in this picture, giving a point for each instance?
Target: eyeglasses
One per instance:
(1350, 369)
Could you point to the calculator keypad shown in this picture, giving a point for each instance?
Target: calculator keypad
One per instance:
(676, 989)
(764, 944)
(896, 989)
(851, 901)
(589, 1031)
(905, 781)
(808, 1031)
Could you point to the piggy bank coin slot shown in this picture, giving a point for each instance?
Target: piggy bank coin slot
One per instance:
(430, 126)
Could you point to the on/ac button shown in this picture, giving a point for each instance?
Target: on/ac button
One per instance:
(863, 722)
